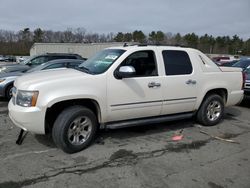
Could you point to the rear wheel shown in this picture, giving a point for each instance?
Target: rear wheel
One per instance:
(211, 110)
(74, 129)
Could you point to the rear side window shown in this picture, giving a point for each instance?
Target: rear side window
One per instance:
(177, 62)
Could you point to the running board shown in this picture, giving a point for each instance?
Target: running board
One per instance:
(145, 121)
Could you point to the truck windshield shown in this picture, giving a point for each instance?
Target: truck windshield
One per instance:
(100, 62)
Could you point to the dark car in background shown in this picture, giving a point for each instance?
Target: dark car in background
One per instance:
(7, 79)
(8, 58)
(247, 82)
(226, 64)
(35, 61)
(243, 63)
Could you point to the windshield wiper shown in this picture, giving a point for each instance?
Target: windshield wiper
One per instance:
(84, 69)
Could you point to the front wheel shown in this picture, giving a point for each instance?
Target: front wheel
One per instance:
(8, 92)
(211, 110)
(74, 129)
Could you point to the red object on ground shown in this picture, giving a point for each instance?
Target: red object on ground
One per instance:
(177, 137)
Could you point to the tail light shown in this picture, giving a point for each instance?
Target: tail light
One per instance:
(244, 77)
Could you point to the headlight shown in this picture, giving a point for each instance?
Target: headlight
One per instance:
(26, 98)
(1, 80)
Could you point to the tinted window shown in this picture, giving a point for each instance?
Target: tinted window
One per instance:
(38, 60)
(177, 62)
(143, 63)
(61, 57)
(70, 57)
(248, 70)
(73, 64)
(243, 64)
(54, 66)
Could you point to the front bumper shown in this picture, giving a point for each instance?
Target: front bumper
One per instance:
(235, 97)
(27, 118)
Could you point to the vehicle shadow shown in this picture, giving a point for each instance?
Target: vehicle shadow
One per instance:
(45, 140)
(127, 133)
(138, 131)
(143, 130)
(2, 99)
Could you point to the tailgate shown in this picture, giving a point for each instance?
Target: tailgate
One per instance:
(230, 69)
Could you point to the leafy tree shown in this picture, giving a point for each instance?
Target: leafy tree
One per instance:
(119, 37)
(38, 35)
(178, 39)
(128, 37)
(139, 36)
(236, 45)
(156, 37)
(246, 48)
(192, 40)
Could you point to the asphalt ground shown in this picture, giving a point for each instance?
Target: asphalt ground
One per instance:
(145, 156)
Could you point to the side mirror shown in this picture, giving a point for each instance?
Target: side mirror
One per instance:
(125, 72)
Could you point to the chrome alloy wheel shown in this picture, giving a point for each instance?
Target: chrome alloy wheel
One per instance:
(214, 110)
(11, 92)
(79, 130)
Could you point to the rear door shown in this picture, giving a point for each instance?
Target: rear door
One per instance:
(179, 83)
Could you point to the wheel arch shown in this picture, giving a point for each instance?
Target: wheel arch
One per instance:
(53, 111)
(6, 87)
(219, 91)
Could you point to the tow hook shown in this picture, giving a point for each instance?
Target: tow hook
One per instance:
(21, 137)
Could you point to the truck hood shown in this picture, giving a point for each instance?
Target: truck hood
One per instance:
(46, 77)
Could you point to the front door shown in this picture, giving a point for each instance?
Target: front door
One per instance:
(137, 96)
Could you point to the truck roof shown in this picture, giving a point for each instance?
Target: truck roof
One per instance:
(145, 46)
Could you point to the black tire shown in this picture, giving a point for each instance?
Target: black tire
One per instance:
(204, 116)
(8, 94)
(63, 128)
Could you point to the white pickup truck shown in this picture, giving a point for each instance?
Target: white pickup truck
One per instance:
(120, 87)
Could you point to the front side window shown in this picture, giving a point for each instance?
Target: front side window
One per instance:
(101, 61)
(143, 62)
(177, 62)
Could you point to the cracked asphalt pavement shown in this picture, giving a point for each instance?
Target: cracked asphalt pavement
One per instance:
(142, 156)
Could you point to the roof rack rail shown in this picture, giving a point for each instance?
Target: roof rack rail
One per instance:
(157, 44)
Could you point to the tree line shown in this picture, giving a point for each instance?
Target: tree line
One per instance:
(19, 43)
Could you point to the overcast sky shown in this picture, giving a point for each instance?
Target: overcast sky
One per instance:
(215, 17)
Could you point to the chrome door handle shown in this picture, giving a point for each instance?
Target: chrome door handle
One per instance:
(153, 84)
(191, 82)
